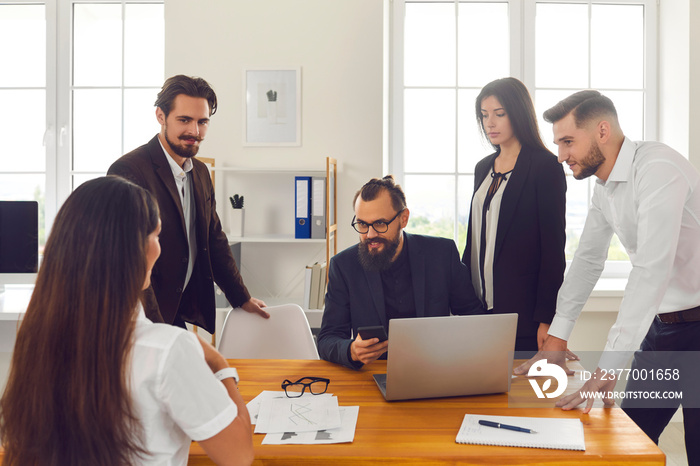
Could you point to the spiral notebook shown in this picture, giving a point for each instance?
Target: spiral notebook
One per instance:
(554, 433)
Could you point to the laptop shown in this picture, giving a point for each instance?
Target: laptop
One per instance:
(433, 357)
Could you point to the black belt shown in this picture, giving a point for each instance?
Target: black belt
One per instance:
(689, 315)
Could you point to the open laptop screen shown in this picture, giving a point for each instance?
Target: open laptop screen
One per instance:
(432, 357)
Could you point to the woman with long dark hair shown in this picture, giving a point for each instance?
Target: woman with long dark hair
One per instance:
(516, 233)
(93, 381)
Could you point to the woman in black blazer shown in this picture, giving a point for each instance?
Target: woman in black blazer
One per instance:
(516, 232)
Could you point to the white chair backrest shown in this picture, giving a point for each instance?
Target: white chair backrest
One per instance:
(285, 335)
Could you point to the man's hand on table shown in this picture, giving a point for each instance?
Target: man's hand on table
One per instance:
(600, 382)
(554, 350)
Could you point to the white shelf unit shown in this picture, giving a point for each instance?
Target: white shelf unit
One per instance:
(272, 238)
(273, 262)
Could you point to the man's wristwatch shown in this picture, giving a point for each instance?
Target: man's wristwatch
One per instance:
(226, 373)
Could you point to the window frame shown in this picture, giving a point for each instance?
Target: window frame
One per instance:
(58, 140)
(522, 66)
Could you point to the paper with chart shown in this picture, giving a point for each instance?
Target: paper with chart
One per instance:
(254, 404)
(343, 434)
(302, 414)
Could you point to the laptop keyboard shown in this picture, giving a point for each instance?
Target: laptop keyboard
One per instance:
(381, 381)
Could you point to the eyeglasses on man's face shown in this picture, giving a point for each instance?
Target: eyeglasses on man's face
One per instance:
(316, 386)
(380, 226)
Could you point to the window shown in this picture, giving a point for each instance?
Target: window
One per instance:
(443, 52)
(23, 98)
(82, 80)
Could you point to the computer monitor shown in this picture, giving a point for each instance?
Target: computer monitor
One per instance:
(19, 242)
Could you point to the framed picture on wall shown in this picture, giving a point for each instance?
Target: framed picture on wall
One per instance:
(272, 110)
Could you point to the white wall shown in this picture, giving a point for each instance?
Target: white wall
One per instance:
(694, 79)
(674, 80)
(679, 76)
(338, 45)
(591, 330)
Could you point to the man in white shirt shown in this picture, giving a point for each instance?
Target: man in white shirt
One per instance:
(649, 195)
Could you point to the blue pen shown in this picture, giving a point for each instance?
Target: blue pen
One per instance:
(498, 425)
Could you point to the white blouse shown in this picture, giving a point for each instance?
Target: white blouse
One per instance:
(175, 394)
(491, 227)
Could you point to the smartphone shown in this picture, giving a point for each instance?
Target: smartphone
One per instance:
(375, 331)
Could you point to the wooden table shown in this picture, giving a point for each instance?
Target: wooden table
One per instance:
(424, 431)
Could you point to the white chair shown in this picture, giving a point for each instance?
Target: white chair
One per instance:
(285, 335)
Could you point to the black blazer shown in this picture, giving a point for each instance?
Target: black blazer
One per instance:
(148, 167)
(529, 262)
(355, 297)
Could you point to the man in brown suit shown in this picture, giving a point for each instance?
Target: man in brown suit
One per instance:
(195, 250)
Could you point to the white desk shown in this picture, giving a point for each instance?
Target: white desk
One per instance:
(13, 304)
(14, 301)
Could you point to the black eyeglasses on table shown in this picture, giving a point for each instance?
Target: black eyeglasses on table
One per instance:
(380, 226)
(316, 386)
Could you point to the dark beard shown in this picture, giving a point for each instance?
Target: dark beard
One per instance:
(180, 150)
(591, 163)
(379, 261)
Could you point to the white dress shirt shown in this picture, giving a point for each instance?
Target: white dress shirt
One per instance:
(183, 181)
(176, 396)
(491, 230)
(651, 200)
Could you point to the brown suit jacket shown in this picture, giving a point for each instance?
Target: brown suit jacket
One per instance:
(148, 167)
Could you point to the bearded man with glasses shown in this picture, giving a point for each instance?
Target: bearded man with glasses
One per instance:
(389, 274)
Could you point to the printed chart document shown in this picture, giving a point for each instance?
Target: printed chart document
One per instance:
(265, 395)
(343, 434)
(554, 433)
(301, 414)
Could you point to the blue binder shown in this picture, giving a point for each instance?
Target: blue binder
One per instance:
(302, 210)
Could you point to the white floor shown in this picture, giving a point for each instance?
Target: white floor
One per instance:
(672, 443)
